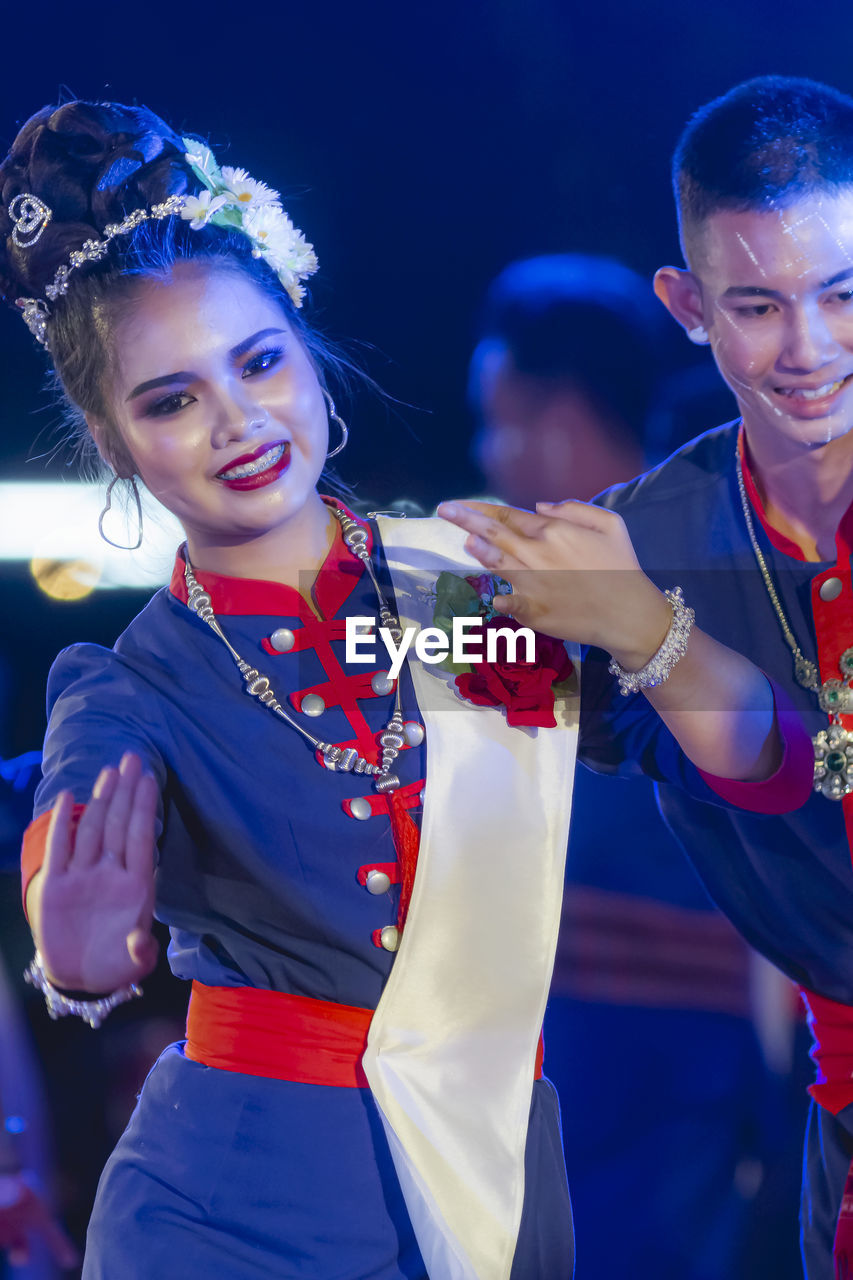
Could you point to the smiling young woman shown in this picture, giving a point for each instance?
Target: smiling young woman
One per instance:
(358, 925)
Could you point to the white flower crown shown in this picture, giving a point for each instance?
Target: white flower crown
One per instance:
(230, 199)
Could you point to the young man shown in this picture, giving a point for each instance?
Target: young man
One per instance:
(755, 521)
(643, 957)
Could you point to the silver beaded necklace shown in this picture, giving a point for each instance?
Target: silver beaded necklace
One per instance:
(833, 746)
(340, 759)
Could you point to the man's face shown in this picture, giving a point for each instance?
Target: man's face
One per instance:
(777, 298)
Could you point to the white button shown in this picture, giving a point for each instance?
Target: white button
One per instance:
(422, 795)
(360, 808)
(830, 589)
(283, 640)
(313, 704)
(382, 683)
(413, 733)
(377, 882)
(390, 937)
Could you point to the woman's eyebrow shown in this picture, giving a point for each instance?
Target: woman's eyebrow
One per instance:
(182, 377)
(247, 344)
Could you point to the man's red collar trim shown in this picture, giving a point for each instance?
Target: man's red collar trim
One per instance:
(777, 539)
(338, 574)
(844, 537)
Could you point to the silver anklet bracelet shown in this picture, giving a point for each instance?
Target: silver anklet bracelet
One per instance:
(660, 666)
(62, 1006)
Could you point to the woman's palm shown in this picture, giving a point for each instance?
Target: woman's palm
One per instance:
(95, 898)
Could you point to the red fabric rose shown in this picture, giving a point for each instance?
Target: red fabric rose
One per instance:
(483, 583)
(524, 688)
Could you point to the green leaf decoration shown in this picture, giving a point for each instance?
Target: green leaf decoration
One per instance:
(454, 597)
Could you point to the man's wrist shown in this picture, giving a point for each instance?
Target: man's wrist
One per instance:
(649, 626)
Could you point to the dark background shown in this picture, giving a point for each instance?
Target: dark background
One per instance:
(421, 147)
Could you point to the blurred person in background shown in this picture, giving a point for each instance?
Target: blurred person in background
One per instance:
(34, 1245)
(700, 1168)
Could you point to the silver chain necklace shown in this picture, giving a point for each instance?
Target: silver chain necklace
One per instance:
(340, 759)
(833, 747)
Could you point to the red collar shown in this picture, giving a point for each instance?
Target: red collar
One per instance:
(844, 537)
(338, 575)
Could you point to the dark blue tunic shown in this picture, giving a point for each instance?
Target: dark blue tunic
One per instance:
(222, 1173)
(786, 881)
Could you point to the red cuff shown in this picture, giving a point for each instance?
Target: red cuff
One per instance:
(791, 785)
(32, 849)
(831, 1025)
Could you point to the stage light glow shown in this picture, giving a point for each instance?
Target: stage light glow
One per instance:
(56, 524)
(65, 579)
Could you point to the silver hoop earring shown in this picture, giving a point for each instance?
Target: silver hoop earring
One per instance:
(334, 416)
(138, 543)
(699, 335)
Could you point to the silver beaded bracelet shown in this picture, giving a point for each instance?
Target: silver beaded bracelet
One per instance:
(660, 666)
(62, 1006)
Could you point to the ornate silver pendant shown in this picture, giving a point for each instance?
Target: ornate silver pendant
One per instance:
(833, 762)
(805, 672)
(835, 697)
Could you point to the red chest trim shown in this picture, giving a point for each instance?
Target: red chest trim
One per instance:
(833, 619)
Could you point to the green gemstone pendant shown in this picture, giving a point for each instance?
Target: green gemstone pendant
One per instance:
(833, 762)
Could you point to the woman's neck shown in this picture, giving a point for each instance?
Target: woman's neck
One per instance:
(805, 490)
(290, 553)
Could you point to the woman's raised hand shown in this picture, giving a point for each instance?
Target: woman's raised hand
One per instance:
(93, 901)
(573, 572)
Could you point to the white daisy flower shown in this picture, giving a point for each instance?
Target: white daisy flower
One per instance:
(297, 257)
(303, 258)
(248, 192)
(269, 226)
(198, 210)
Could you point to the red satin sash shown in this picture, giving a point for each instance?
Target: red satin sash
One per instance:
(280, 1036)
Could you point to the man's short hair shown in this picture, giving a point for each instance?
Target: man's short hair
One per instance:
(764, 144)
(582, 320)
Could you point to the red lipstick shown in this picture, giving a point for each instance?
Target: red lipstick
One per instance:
(264, 474)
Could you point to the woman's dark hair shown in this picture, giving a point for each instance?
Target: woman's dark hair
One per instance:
(92, 164)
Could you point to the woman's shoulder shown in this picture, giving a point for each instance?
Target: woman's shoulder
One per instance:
(118, 669)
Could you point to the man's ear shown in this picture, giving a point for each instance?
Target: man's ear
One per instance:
(680, 293)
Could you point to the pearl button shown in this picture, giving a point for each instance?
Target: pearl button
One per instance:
(382, 683)
(413, 733)
(377, 882)
(313, 704)
(390, 937)
(422, 795)
(830, 589)
(360, 808)
(283, 640)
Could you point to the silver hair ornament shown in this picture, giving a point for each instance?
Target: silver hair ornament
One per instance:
(29, 216)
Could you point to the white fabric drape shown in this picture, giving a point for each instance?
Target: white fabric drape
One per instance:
(451, 1050)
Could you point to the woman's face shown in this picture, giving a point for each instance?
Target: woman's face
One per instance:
(218, 404)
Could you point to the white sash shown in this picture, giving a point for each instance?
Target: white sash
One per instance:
(451, 1052)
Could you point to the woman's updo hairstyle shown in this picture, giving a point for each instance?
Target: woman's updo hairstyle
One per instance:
(92, 164)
